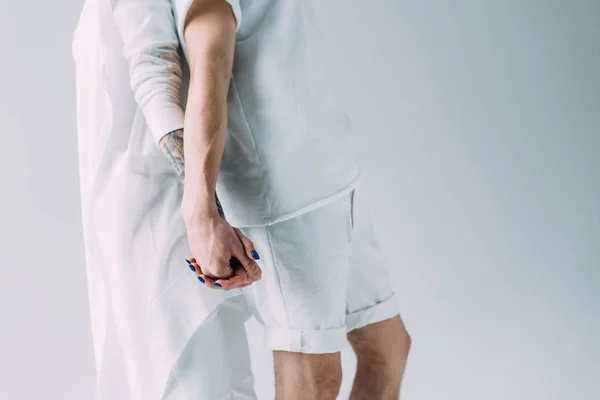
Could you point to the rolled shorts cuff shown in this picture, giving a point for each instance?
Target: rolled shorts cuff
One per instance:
(370, 315)
(306, 341)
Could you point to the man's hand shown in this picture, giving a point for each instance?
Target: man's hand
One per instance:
(223, 256)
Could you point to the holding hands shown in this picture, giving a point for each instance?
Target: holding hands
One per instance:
(222, 256)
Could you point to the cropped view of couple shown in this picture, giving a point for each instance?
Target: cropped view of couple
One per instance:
(219, 181)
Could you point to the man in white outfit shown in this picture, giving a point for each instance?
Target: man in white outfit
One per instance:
(294, 247)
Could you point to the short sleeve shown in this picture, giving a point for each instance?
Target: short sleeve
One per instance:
(181, 8)
(237, 12)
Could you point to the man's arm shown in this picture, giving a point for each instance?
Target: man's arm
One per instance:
(172, 146)
(222, 255)
(209, 34)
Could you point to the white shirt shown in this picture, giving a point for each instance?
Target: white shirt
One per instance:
(289, 146)
(288, 150)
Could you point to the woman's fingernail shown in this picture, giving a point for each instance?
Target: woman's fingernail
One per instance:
(192, 267)
(188, 261)
(200, 279)
(218, 284)
(255, 255)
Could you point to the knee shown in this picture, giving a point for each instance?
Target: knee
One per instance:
(317, 376)
(405, 343)
(331, 383)
(398, 355)
(384, 361)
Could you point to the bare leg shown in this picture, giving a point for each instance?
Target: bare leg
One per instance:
(307, 376)
(381, 350)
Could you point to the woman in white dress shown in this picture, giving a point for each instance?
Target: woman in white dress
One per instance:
(145, 304)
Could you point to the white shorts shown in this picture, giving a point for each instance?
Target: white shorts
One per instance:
(323, 275)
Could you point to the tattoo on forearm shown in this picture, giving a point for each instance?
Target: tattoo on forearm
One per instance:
(219, 207)
(172, 146)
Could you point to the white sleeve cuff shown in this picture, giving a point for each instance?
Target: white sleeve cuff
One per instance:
(163, 120)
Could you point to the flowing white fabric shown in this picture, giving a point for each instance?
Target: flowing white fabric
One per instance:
(144, 302)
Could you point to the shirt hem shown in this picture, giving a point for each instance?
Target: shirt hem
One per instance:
(311, 207)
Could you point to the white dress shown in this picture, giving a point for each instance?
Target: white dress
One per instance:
(144, 302)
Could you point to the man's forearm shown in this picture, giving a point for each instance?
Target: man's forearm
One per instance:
(172, 146)
(210, 38)
(205, 128)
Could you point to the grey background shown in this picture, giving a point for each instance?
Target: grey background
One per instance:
(480, 124)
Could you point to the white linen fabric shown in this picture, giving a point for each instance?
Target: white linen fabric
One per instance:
(290, 148)
(215, 363)
(324, 274)
(144, 305)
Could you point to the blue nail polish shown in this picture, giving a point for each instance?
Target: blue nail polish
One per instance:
(192, 267)
(200, 279)
(255, 255)
(218, 284)
(187, 261)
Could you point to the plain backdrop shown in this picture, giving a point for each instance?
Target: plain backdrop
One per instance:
(480, 124)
